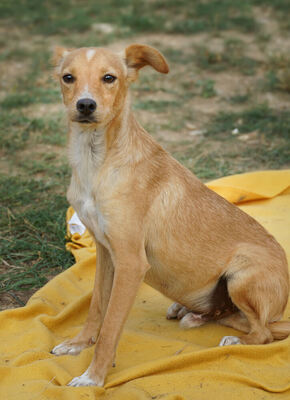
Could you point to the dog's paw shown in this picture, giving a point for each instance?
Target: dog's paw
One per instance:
(182, 312)
(84, 380)
(68, 348)
(229, 340)
(191, 320)
(73, 346)
(174, 310)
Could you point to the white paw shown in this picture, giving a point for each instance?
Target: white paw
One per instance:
(84, 380)
(182, 312)
(66, 348)
(229, 340)
(191, 320)
(173, 310)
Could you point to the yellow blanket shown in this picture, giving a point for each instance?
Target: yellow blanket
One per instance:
(155, 358)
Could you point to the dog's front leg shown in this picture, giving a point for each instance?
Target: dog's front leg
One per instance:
(128, 275)
(99, 302)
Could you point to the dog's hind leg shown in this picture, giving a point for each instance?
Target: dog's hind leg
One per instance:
(236, 321)
(256, 286)
(98, 306)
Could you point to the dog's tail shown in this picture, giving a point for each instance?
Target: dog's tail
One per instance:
(280, 330)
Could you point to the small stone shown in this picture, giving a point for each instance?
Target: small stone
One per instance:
(252, 136)
(103, 28)
(196, 132)
(190, 126)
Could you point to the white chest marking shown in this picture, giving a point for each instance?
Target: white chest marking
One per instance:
(91, 216)
(86, 154)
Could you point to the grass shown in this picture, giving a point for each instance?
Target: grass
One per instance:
(216, 15)
(233, 158)
(55, 17)
(205, 166)
(277, 77)
(34, 170)
(36, 95)
(176, 55)
(156, 105)
(240, 98)
(260, 118)
(281, 9)
(231, 57)
(267, 157)
(32, 237)
(206, 88)
(23, 130)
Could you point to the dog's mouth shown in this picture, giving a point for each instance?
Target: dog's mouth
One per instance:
(85, 120)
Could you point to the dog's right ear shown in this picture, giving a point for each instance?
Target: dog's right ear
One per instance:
(59, 54)
(138, 56)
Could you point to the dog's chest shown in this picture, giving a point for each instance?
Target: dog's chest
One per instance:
(90, 214)
(86, 157)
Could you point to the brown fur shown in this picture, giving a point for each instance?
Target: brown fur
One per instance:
(153, 220)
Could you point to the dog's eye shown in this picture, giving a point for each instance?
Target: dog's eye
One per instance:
(109, 78)
(68, 78)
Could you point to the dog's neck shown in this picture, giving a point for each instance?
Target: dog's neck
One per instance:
(123, 139)
(86, 146)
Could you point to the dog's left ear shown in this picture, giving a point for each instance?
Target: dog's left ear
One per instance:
(138, 56)
(59, 54)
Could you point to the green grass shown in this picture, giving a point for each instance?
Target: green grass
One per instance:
(60, 17)
(216, 164)
(35, 95)
(17, 128)
(14, 54)
(155, 105)
(22, 129)
(277, 78)
(231, 57)
(281, 10)
(206, 167)
(206, 88)
(177, 56)
(215, 15)
(33, 232)
(270, 122)
(267, 157)
(240, 98)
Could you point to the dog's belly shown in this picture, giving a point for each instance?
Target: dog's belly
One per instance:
(180, 285)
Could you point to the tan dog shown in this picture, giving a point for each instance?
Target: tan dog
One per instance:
(154, 221)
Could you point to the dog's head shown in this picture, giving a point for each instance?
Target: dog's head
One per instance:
(94, 81)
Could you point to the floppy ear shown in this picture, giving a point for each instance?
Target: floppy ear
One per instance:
(138, 56)
(59, 54)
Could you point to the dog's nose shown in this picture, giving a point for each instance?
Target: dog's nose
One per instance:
(86, 106)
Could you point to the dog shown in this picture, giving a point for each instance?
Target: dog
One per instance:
(152, 220)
